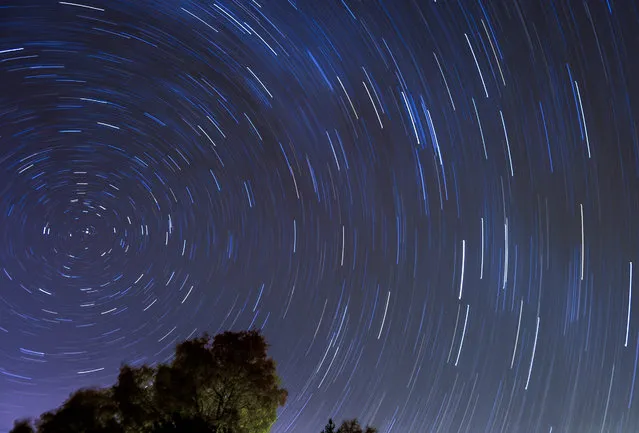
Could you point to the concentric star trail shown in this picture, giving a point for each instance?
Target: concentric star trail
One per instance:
(429, 208)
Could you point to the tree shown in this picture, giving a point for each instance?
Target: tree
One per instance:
(224, 384)
(179, 424)
(228, 380)
(330, 427)
(352, 426)
(133, 395)
(86, 411)
(22, 426)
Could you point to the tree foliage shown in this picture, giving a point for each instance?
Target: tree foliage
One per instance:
(348, 426)
(352, 426)
(330, 427)
(224, 384)
(22, 426)
(87, 410)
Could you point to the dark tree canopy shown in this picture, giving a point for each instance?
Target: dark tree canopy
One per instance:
(224, 384)
(348, 426)
(228, 380)
(22, 426)
(86, 410)
(330, 427)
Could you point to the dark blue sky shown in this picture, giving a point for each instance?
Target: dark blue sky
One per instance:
(430, 208)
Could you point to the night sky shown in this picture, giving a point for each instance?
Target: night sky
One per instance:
(431, 209)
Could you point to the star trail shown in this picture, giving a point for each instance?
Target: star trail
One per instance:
(430, 208)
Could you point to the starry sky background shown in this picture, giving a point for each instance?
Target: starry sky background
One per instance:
(430, 208)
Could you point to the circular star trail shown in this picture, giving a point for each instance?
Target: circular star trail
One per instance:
(429, 208)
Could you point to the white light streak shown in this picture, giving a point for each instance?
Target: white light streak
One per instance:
(332, 149)
(532, 358)
(612, 377)
(11, 50)
(294, 236)
(187, 295)
(481, 269)
(505, 254)
(260, 81)
(461, 281)
(581, 209)
(343, 245)
(483, 83)
(201, 20)
(93, 8)
(629, 305)
(149, 306)
(583, 120)
(495, 55)
(452, 342)
(510, 158)
(207, 135)
(481, 131)
(384, 318)
(167, 334)
(374, 106)
(108, 125)
(450, 96)
(412, 119)
(348, 97)
(461, 344)
(329, 367)
(95, 370)
(521, 308)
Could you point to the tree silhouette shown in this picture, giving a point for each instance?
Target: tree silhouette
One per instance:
(133, 395)
(22, 426)
(348, 426)
(86, 410)
(224, 384)
(179, 424)
(330, 427)
(352, 426)
(228, 380)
